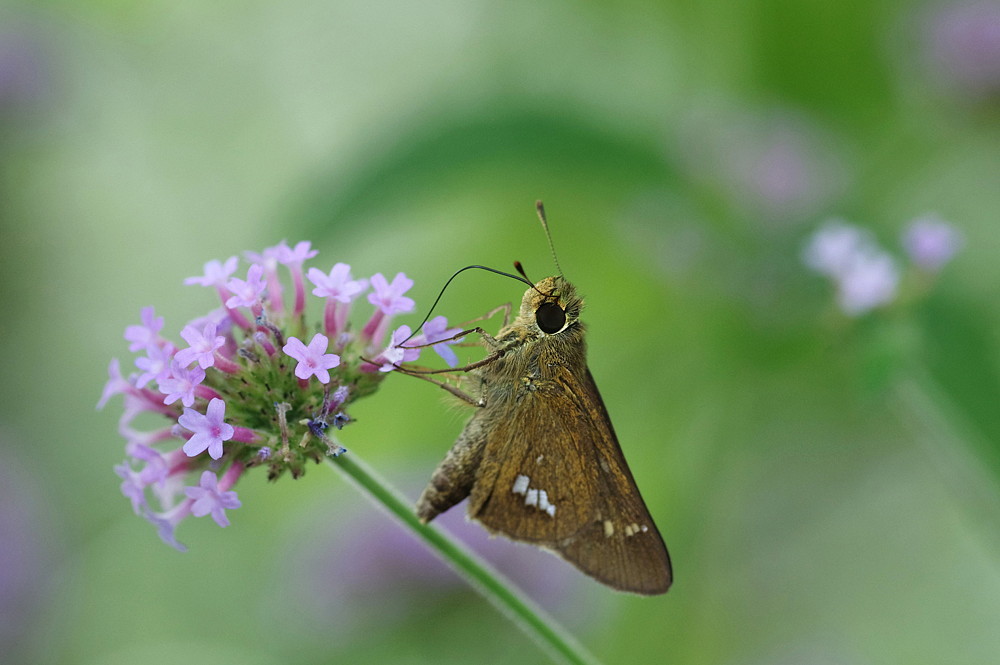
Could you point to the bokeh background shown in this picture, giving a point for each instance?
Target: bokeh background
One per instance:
(828, 485)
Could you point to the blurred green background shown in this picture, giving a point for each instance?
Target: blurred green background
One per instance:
(829, 488)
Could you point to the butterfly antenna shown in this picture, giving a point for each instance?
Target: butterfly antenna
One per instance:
(450, 279)
(540, 209)
(520, 270)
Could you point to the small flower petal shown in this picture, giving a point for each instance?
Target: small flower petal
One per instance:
(210, 429)
(180, 384)
(216, 273)
(388, 297)
(145, 335)
(203, 343)
(337, 285)
(313, 359)
(247, 293)
(209, 500)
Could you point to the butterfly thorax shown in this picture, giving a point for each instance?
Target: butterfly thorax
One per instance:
(532, 348)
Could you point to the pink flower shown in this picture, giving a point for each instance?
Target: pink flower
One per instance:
(437, 330)
(338, 285)
(247, 293)
(216, 273)
(146, 334)
(208, 498)
(313, 359)
(388, 300)
(394, 354)
(155, 365)
(116, 383)
(339, 290)
(203, 346)
(210, 430)
(298, 255)
(181, 383)
(388, 297)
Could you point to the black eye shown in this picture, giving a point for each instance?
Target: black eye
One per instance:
(550, 318)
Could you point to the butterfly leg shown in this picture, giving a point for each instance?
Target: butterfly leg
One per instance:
(422, 374)
(505, 308)
(453, 479)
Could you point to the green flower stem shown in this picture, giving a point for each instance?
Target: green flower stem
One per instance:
(532, 619)
(956, 446)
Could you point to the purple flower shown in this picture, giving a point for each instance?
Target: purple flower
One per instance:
(298, 255)
(833, 248)
(394, 354)
(247, 293)
(294, 258)
(208, 498)
(155, 365)
(870, 281)
(313, 359)
(388, 297)
(233, 363)
(181, 383)
(775, 165)
(116, 383)
(866, 277)
(132, 487)
(216, 273)
(388, 300)
(210, 430)
(437, 330)
(338, 285)
(962, 41)
(931, 242)
(203, 346)
(146, 334)
(268, 258)
(166, 523)
(156, 469)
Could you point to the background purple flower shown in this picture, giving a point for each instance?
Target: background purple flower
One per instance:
(962, 44)
(931, 242)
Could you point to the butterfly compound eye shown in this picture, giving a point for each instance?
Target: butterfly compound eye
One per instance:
(550, 317)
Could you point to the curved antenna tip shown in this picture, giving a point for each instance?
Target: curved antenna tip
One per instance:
(540, 209)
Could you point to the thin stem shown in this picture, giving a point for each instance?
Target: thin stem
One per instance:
(531, 618)
(956, 446)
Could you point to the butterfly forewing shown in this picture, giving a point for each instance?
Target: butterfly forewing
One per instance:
(555, 476)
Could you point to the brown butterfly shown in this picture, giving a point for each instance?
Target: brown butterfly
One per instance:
(540, 460)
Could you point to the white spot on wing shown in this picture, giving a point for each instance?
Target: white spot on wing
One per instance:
(533, 496)
(520, 484)
(609, 528)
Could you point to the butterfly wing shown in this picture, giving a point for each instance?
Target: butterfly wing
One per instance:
(566, 485)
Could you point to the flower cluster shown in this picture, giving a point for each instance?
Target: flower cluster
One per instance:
(866, 276)
(256, 384)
